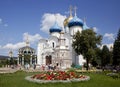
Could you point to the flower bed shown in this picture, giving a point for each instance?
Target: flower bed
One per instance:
(57, 76)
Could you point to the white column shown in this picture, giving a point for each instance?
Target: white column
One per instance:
(22, 59)
(31, 60)
(18, 60)
(35, 60)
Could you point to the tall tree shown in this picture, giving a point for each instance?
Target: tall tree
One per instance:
(85, 43)
(105, 56)
(116, 50)
(98, 56)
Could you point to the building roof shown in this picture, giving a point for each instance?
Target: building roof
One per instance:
(55, 28)
(27, 49)
(67, 20)
(75, 22)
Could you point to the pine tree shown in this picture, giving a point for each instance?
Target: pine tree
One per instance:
(116, 50)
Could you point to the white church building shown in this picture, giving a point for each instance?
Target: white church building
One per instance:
(57, 50)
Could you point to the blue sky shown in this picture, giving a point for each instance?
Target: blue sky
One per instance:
(21, 18)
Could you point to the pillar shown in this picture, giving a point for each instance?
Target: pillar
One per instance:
(31, 60)
(22, 59)
(18, 61)
(35, 60)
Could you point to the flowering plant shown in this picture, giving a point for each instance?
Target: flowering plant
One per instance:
(58, 75)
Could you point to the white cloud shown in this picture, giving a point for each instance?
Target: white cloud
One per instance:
(14, 46)
(95, 29)
(49, 19)
(110, 36)
(31, 38)
(10, 46)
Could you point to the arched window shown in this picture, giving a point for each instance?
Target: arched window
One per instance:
(53, 44)
(29, 52)
(25, 52)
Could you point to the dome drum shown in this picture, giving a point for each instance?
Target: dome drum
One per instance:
(26, 50)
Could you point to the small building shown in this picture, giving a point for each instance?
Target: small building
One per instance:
(27, 56)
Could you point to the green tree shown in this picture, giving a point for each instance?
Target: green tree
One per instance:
(85, 43)
(105, 56)
(98, 56)
(116, 50)
(11, 61)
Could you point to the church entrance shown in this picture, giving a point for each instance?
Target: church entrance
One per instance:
(48, 60)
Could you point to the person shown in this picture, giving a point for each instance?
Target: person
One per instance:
(43, 67)
(34, 66)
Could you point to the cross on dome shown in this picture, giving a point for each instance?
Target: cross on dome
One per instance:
(27, 40)
(75, 8)
(71, 10)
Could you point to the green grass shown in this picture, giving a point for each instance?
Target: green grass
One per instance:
(17, 80)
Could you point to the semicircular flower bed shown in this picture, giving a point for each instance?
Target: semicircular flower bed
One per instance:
(57, 76)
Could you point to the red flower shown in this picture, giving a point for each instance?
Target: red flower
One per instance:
(57, 75)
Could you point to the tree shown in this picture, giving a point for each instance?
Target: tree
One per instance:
(116, 50)
(98, 56)
(105, 56)
(85, 43)
(11, 61)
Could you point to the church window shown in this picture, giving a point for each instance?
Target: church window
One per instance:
(29, 52)
(25, 52)
(53, 44)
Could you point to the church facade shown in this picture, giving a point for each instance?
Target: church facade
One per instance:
(57, 50)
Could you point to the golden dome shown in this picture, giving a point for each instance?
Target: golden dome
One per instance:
(67, 20)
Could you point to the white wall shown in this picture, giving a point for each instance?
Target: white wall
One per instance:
(56, 34)
(74, 29)
(80, 60)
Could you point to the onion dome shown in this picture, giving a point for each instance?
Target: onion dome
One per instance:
(75, 22)
(67, 20)
(55, 28)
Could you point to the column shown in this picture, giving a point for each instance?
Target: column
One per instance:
(22, 59)
(31, 60)
(18, 61)
(35, 60)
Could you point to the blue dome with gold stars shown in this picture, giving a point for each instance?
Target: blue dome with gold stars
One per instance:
(55, 28)
(75, 22)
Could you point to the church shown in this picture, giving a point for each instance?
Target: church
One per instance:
(57, 50)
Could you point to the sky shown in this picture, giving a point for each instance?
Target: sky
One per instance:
(32, 19)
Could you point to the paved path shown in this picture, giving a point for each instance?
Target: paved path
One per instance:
(7, 70)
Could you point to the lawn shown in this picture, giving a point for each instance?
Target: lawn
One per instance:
(97, 80)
